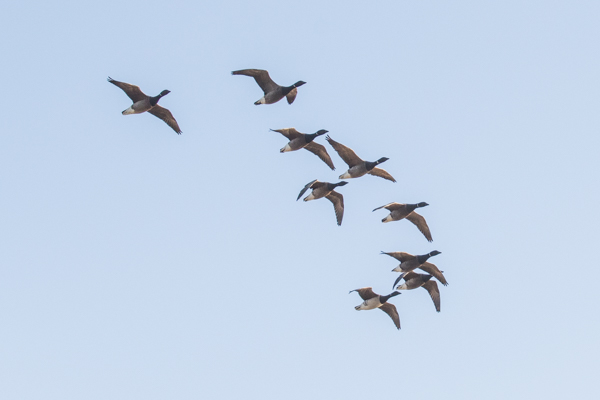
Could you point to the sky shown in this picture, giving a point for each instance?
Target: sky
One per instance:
(137, 263)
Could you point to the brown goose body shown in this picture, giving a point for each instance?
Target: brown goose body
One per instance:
(272, 91)
(298, 140)
(143, 103)
(326, 189)
(373, 300)
(357, 166)
(399, 211)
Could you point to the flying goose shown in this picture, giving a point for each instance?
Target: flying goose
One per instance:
(358, 167)
(413, 280)
(409, 263)
(373, 300)
(273, 92)
(300, 140)
(400, 211)
(143, 103)
(325, 189)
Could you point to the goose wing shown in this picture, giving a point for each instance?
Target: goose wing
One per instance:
(419, 221)
(261, 77)
(320, 151)
(290, 133)
(308, 186)
(431, 269)
(166, 116)
(434, 292)
(345, 153)
(382, 173)
(391, 206)
(407, 276)
(365, 293)
(132, 91)
(291, 96)
(338, 205)
(400, 256)
(390, 310)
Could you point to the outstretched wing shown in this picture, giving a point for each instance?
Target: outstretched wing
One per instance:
(338, 205)
(320, 151)
(291, 96)
(290, 133)
(390, 310)
(434, 292)
(305, 188)
(431, 269)
(261, 77)
(166, 116)
(365, 293)
(345, 153)
(400, 256)
(391, 206)
(382, 173)
(419, 221)
(132, 91)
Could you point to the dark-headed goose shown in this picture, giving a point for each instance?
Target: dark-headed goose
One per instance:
(400, 211)
(373, 300)
(358, 167)
(143, 103)
(409, 263)
(413, 280)
(298, 140)
(326, 189)
(273, 92)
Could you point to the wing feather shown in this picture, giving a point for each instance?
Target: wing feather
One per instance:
(419, 221)
(338, 205)
(346, 153)
(382, 173)
(166, 116)
(132, 91)
(390, 310)
(434, 292)
(321, 152)
(261, 77)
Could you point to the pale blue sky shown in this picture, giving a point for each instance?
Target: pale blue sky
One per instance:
(139, 264)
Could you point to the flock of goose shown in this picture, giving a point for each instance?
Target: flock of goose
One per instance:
(357, 167)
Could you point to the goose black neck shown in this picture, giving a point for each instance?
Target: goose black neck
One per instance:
(422, 258)
(154, 100)
(384, 299)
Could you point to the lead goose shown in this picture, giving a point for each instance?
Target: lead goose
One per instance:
(273, 92)
(373, 300)
(413, 280)
(326, 189)
(400, 211)
(298, 140)
(143, 103)
(358, 167)
(409, 263)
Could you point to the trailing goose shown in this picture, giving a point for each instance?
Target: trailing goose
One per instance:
(325, 189)
(373, 300)
(143, 103)
(358, 167)
(400, 211)
(409, 263)
(298, 140)
(273, 92)
(413, 280)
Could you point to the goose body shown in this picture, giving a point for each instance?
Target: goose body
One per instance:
(272, 91)
(326, 189)
(401, 211)
(143, 103)
(372, 300)
(409, 262)
(357, 167)
(298, 140)
(413, 280)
